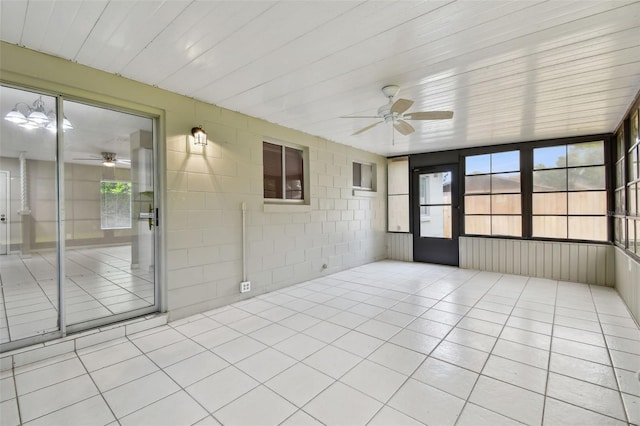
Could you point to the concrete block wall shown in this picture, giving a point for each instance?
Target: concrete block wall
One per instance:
(286, 244)
(204, 189)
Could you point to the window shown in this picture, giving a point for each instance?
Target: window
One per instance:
(283, 172)
(363, 176)
(569, 199)
(633, 186)
(115, 205)
(492, 200)
(620, 205)
(398, 194)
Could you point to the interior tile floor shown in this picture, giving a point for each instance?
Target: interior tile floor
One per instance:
(100, 282)
(388, 343)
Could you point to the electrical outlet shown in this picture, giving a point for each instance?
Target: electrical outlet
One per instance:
(245, 286)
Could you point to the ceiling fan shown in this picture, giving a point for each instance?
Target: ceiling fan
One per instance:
(394, 112)
(108, 159)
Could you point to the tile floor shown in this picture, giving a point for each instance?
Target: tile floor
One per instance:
(100, 282)
(388, 343)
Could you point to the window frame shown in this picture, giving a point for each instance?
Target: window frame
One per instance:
(102, 205)
(373, 176)
(526, 179)
(305, 173)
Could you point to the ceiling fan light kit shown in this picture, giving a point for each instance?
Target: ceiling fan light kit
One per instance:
(394, 112)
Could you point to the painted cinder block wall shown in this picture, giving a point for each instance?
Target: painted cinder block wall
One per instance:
(203, 191)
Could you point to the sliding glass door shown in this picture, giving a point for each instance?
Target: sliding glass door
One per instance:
(81, 216)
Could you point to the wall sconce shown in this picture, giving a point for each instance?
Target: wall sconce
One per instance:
(199, 136)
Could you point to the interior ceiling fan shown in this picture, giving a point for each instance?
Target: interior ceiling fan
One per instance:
(395, 113)
(107, 158)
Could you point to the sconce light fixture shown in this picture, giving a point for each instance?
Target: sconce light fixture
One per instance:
(199, 136)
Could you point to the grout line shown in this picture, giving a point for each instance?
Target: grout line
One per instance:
(546, 384)
(466, 402)
(622, 402)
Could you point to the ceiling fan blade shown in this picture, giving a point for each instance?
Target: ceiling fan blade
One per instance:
(360, 116)
(123, 161)
(429, 115)
(86, 159)
(367, 128)
(401, 105)
(404, 127)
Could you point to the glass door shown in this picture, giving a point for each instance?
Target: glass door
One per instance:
(110, 215)
(435, 214)
(80, 217)
(29, 262)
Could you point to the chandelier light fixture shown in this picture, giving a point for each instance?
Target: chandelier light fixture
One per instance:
(35, 116)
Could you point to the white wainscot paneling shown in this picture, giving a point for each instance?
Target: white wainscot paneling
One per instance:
(576, 262)
(400, 246)
(628, 281)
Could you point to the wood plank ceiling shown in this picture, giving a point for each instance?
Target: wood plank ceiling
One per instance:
(511, 71)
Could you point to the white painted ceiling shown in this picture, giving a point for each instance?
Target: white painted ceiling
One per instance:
(511, 71)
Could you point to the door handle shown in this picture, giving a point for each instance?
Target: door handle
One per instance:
(3, 218)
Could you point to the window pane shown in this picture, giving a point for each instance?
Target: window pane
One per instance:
(632, 158)
(550, 203)
(549, 180)
(634, 129)
(631, 230)
(398, 213)
(505, 182)
(477, 225)
(620, 148)
(550, 226)
(477, 184)
(366, 176)
(293, 164)
(588, 228)
(435, 188)
(619, 225)
(505, 162)
(478, 164)
(437, 224)
(549, 158)
(633, 192)
(115, 205)
(585, 154)
(357, 176)
(620, 206)
(477, 204)
(272, 163)
(586, 178)
(505, 204)
(588, 202)
(506, 225)
(619, 174)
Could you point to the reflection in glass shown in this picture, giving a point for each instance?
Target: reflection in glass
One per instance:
(295, 172)
(550, 158)
(28, 236)
(109, 256)
(272, 165)
(478, 164)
